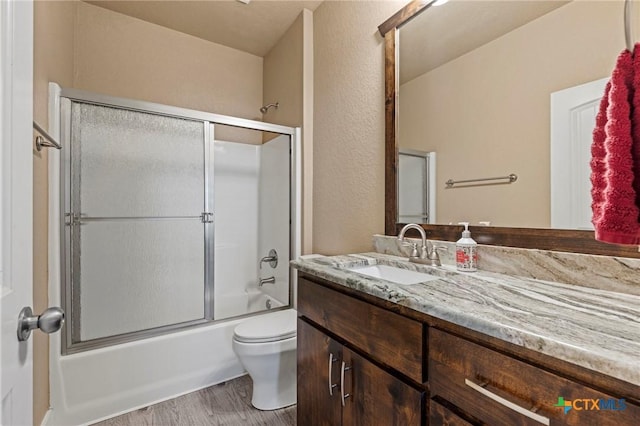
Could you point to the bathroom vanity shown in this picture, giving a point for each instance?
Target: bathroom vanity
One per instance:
(459, 349)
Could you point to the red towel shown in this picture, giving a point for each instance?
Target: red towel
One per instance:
(615, 212)
(635, 123)
(598, 154)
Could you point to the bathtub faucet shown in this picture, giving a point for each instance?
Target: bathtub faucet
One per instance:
(263, 281)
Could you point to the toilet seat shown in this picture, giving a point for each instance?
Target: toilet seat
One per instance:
(269, 328)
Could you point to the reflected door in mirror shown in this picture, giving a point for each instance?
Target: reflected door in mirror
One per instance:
(416, 186)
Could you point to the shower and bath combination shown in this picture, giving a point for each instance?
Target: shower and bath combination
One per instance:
(177, 275)
(170, 168)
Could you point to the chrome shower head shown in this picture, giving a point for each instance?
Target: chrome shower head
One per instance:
(265, 108)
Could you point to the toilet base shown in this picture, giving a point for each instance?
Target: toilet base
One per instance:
(270, 396)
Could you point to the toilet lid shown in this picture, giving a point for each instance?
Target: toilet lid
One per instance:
(267, 328)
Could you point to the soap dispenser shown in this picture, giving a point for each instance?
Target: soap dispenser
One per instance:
(466, 251)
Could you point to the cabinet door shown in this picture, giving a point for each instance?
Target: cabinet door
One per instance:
(375, 397)
(318, 368)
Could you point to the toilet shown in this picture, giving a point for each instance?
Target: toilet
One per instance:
(266, 347)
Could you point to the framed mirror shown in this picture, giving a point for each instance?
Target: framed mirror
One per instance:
(475, 82)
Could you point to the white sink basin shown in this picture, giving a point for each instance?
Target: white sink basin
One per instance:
(390, 273)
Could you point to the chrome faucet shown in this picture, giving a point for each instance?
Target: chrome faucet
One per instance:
(424, 252)
(425, 256)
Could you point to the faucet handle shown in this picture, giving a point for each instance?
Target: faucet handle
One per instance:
(433, 255)
(271, 259)
(414, 248)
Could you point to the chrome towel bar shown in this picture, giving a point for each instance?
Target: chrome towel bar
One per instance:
(511, 178)
(44, 141)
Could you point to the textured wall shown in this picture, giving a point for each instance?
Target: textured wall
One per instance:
(126, 57)
(288, 79)
(348, 190)
(282, 78)
(53, 61)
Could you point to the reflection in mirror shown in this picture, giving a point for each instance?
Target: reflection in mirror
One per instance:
(477, 79)
(416, 186)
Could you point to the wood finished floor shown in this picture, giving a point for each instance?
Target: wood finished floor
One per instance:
(227, 404)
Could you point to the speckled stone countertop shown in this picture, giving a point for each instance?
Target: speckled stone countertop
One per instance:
(592, 328)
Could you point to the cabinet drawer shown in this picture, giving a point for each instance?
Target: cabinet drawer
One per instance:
(498, 389)
(385, 336)
(441, 415)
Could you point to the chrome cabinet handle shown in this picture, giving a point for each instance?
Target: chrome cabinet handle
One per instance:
(343, 395)
(49, 322)
(332, 359)
(534, 416)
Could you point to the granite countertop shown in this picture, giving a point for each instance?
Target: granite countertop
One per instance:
(593, 328)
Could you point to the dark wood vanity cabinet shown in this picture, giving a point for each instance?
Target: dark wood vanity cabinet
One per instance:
(405, 370)
(351, 378)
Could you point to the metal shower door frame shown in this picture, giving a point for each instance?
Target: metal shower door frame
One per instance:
(209, 120)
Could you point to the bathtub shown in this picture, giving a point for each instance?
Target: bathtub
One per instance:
(95, 385)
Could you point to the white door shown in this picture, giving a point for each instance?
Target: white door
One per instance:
(16, 112)
(416, 186)
(573, 117)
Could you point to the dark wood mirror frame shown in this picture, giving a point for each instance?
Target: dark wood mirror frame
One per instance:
(532, 238)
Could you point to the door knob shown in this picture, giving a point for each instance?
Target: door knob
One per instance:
(49, 322)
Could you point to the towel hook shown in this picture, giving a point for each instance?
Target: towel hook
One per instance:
(628, 30)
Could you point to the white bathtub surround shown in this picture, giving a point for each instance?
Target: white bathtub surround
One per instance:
(236, 173)
(274, 215)
(251, 189)
(619, 274)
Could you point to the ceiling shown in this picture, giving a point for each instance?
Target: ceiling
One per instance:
(443, 33)
(255, 27)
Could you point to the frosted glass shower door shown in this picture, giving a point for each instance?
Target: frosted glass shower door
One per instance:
(134, 211)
